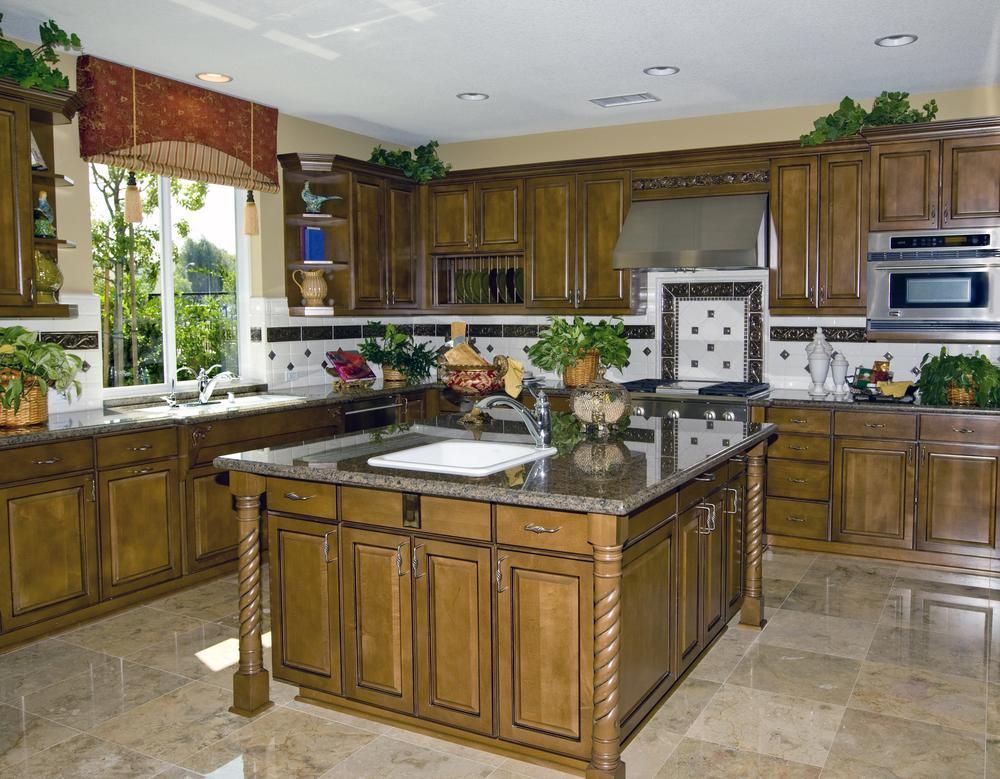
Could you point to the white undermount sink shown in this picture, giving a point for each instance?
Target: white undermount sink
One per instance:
(462, 458)
(215, 406)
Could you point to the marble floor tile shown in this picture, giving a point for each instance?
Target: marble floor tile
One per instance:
(682, 707)
(358, 723)
(23, 735)
(958, 654)
(705, 760)
(776, 590)
(196, 653)
(872, 575)
(84, 757)
(518, 769)
(387, 758)
(836, 601)
(281, 743)
(913, 693)
(649, 749)
(819, 633)
(207, 601)
(443, 745)
(721, 658)
(176, 725)
(40, 664)
(176, 772)
(876, 745)
(992, 757)
(89, 698)
(941, 609)
(127, 633)
(993, 709)
(818, 677)
(782, 726)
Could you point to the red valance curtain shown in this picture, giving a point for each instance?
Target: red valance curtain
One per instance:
(149, 123)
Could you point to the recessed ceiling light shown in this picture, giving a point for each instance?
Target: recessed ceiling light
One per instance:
(661, 70)
(214, 78)
(472, 96)
(890, 41)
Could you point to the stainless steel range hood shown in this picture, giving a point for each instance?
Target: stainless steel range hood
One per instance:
(728, 231)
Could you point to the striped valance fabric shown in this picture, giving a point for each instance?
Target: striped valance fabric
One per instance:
(152, 124)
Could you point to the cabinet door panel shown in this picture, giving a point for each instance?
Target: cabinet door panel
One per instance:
(369, 268)
(451, 228)
(551, 224)
(48, 550)
(16, 264)
(305, 598)
(843, 231)
(454, 634)
(904, 188)
(794, 192)
(713, 578)
(545, 625)
(970, 182)
(733, 515)
(500, 215)
(689, 633)
(603, 199)
(958, 499)
(140, 527)
(378, 619)
(213, 534)
(402, 245)
(873, 492)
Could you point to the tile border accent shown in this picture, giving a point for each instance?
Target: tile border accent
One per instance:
(853, 335)
(87, 339)
(758, 176)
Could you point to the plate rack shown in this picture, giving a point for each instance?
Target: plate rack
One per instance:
(483, 280)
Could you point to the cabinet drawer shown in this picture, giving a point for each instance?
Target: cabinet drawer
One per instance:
(308, 498)
(371, 507)
(33, 462)
(797, 518)
(208, 440)
(558, 531)
(805, 481)
(701, 485)
(815, 448)
(862, 424)
(800, 420)
(960, 428)
(450, 517)
(115, 450)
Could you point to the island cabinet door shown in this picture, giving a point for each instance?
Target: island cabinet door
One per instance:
(713, 580)
(873, 492)
(378, 618)
(212, 534)
(546, 636)
(305, 602)
(454, 611)
(957, 508)
(689, 592)
(733, 515)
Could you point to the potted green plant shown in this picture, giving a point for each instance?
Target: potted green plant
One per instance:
(401, 358)
(28, 368)
(578, 349)
(35, 68)
(959, 380)
(421, 165)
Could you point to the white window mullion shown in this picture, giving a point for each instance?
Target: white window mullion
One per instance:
(167, 270)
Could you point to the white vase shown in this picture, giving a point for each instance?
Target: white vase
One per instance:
(839, 367)
(819, 353)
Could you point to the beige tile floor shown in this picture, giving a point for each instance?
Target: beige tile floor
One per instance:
(864, 670)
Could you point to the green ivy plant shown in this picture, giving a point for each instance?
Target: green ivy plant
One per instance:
(398, 350)
(565, 341)
(421, 165)
(942, 371)
(48, 365)
(35, 68)
(851, 118)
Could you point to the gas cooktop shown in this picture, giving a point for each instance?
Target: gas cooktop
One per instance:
(682, 389)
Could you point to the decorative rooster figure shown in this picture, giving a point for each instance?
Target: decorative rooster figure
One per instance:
(314, 202)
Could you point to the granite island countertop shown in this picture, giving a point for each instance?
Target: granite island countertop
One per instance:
(800, 398)
(652, 457)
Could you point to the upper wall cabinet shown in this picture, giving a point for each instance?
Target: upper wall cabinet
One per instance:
(482, 216)
(970, 182)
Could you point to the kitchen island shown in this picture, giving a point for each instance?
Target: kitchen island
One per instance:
(542, 612)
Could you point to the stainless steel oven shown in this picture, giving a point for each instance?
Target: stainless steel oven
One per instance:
(941, 285)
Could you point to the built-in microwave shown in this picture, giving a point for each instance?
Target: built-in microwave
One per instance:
(941, 285)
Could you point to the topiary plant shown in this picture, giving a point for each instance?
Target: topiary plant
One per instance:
(421, 165)
(35, 68)
(850, 118)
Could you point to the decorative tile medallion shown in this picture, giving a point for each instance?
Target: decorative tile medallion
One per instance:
(833, 334)
(80, 340)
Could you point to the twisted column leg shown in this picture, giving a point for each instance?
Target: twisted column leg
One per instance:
(251, 685)
(752, 612)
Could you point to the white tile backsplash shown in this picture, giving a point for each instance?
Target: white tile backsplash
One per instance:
(710, 339)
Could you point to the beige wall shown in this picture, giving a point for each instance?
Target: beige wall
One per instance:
(781, 124)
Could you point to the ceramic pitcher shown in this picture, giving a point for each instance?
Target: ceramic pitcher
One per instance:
(312, 284)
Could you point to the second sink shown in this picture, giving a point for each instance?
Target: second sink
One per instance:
(462, 458)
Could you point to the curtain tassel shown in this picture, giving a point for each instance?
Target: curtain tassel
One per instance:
(133, 201)
(251, 223)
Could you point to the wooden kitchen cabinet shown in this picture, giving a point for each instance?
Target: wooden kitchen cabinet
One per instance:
(481, 216)
(452, 211)
(140, 527)
(970, 182)
(48, 550)
(873, 492)
(733, 513)
(453, 586)
(305, 598)
(385, 243)
(551, 224)
(402, 244)
(212, 533)
(701, 570)
(714, 602)
(378, 618)
(546, 651)
(16, 266)
(958, 499)
(603, 201)
(794, 212)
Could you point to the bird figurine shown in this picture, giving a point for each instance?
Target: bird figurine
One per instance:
(313, 201)
(44, 217)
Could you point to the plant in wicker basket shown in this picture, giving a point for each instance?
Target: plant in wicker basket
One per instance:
(578, 349)
(397, 351)
(28, 368)
(959, 380)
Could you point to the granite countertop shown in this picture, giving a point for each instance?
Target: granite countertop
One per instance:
(652, 457)
(798, 398)
(115, 419)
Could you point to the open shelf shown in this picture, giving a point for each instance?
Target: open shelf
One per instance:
(314, 220)
(310, 310)
(49, 310)
(53, 243)
(57, 179)
(327, 265)
(302, 176)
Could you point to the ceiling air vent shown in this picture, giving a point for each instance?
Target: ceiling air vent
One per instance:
(620, 100)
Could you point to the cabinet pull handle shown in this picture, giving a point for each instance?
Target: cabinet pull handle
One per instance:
(399, 559)
(539, 529)
(797, 481)
(499, 575)
(964, 430)
(794, 519)
(707, 508)
(909, 455)
(874, 425)
(739, 458)
(141, 471)
(705, 477)
(736, 502)
(49, 461)
(933, 212)
(799, 448)
(143, 448)
(326, 547)
(415, 562)
(945, 214)
(798, 421)
(296, 496)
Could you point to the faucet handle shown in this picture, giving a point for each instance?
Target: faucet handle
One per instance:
(541, 400)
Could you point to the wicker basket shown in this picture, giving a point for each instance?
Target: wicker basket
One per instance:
(34, 408)
(583, 371)
(392, 375)
(474, 380)
(961, 396)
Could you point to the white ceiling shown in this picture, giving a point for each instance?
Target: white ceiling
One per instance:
(391, 68)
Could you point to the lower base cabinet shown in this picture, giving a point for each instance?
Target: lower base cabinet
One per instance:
(733, 515)
(212, 535)
(873, 491)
